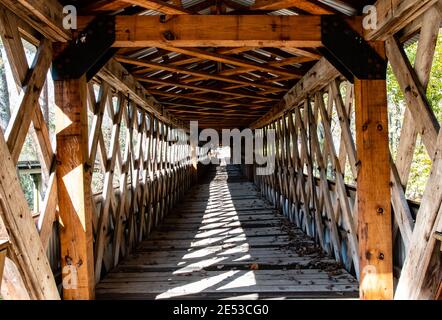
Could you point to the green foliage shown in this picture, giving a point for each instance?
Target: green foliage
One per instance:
(5, 111)
(420, 170)
(434, 92)
(421, 166)
(27, 184)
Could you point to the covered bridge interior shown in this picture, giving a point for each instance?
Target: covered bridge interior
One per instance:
(104, 92)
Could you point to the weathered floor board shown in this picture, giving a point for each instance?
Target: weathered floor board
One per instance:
(225, 242)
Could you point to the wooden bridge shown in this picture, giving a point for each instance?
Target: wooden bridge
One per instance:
(104, 92)
(226, 241)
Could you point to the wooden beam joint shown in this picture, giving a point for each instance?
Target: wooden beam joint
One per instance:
(88, 52)
(347, 50)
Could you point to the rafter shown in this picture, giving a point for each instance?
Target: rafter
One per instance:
(159, 66)
(313, 7)
(104, 5)
(203, 109)
(202, 99)
(279, 63)
(186, 60)
(222, 114)
(302, 52)
(204, 89)
(202, 54)
(160, 6)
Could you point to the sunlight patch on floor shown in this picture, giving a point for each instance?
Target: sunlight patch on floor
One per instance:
(216, 226)
(196, 287)
(246, 280)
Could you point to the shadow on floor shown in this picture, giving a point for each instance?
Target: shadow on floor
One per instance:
(225, 241)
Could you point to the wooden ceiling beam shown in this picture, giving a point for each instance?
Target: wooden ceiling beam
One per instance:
(202, 109)
(158, 66)
(185, 60)
(279, 63)
(221, 114)
(104, 6)
(160, 6)
(227, 51)
(216, 119)
(301, 52)
(293, 60)
(202, 99)
(219, 31)
(202, 54)
(205, 89)
(282, 88)
(313, 7)
(256, 77)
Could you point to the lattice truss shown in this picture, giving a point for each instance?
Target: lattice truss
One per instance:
(144, 167)
(152, 174)
(316, 172)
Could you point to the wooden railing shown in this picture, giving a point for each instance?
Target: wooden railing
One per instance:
(153, 175)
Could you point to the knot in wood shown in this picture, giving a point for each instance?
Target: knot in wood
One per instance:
(168, 35)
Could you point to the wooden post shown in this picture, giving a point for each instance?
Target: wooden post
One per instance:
(74, 193)
(373, 190)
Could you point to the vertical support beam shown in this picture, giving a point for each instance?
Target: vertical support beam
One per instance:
(373, 189)
(73, 181)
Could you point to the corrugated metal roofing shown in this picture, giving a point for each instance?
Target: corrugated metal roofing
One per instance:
(340, 6)
(283, 12)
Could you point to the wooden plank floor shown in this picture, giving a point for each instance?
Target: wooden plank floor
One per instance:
(225, 241)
